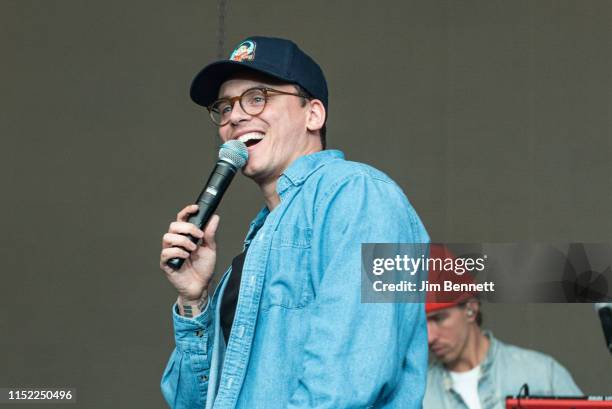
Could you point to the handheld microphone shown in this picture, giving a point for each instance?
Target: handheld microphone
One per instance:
(604, 310)
(233, 155)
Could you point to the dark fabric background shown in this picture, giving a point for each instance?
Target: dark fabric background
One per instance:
(494, 116)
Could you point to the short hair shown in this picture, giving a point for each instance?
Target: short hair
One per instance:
(306, 95)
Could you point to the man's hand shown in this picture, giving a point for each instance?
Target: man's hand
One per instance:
(193, 278)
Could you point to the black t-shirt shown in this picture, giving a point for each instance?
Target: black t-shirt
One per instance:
(230, 295)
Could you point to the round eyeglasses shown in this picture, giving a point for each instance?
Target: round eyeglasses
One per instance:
(252, 101)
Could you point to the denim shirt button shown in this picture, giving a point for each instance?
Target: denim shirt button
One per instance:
(240, 332)
(199, 333)
(204, 378)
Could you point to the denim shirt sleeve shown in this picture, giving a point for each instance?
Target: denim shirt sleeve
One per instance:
(561, 382)
(358, 354)
(185, 380)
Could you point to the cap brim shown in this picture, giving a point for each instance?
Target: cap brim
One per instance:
(205, 86)
(436, 306)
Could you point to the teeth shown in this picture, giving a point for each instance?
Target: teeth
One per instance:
(250, 136)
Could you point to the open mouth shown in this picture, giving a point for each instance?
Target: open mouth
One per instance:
(251, 138)
(252, 142)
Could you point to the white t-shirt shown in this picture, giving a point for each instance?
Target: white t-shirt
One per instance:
(466, 384)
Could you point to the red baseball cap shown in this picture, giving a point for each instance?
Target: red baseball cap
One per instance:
(439, 300)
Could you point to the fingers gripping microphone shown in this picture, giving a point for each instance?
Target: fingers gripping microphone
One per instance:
(233, 155)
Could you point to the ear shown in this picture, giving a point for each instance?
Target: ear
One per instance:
(472, 307)
(316, 115)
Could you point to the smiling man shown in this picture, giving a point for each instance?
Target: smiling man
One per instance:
(285, 327)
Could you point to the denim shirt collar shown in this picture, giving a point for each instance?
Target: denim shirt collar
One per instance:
(294, 175)
(485, 366)
(303, 167)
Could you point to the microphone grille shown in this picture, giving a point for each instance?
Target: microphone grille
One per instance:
(234, 152)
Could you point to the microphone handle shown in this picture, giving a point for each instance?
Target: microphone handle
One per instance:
(207, 202)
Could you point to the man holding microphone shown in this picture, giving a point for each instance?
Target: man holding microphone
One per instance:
(285, 327)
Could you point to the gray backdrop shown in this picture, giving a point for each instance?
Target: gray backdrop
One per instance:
(494, 116)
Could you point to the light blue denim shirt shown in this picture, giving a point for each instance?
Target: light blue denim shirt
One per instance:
(503, 372)
(301, 338)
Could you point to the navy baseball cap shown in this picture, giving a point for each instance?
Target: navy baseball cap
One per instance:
(279, 58)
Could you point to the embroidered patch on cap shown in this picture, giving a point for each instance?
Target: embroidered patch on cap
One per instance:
(244, 52)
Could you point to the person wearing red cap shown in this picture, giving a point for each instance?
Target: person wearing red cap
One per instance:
(469, 367)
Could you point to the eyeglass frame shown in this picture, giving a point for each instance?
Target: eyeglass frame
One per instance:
(265, 91)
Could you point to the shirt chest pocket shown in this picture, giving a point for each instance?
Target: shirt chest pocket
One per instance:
(288, 273)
